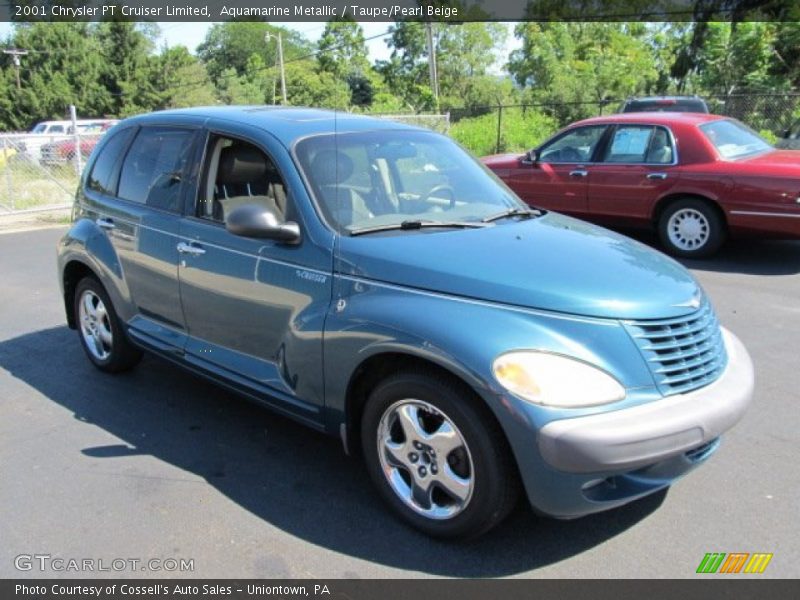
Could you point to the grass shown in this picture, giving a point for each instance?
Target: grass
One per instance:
(520, 130)
(25, 185)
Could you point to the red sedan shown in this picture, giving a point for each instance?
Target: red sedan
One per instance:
(64, 150)
(696, 178)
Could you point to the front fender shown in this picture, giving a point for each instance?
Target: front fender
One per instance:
(464, 336)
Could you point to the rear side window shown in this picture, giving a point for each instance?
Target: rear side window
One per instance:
(101, 178)
(637, 144)
(154, 167)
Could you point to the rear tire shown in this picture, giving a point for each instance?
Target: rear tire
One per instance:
(691, 228)
(100, 330)
(437, 456)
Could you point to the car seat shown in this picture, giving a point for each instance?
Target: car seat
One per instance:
(331, 170)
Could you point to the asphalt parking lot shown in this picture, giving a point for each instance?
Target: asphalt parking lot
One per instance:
(160, 464)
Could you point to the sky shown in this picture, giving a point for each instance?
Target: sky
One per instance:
(192, 34)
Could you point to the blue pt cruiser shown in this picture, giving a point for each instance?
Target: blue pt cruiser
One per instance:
(375, 282)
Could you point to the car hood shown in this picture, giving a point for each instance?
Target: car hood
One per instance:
(553, 263)
(502, 161)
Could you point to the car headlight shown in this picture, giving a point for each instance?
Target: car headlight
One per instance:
(554, 380)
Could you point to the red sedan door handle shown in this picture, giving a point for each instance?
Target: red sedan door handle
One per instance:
(656, 175)
(579, 173)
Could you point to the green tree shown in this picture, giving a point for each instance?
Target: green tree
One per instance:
(406, 71)
(785, 67)
(130, 67)
(65, 66)
(570, 63)
(184, 80)
(254, 86)
(465, 53)
(230, 45)
(736, 56)
(305, 86)
(341, 50)
(7, 101)
(668, 42)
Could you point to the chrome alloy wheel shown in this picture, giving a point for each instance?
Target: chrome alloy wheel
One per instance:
(95, 325)
(688, 229)
(425, 459)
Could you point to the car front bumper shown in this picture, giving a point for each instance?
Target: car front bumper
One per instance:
(650, 433)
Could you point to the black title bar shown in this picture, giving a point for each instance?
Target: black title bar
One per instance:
(701, 588)
(399, 10)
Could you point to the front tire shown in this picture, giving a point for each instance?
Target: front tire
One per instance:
(100, 330)
(691, 228)
(437, 456)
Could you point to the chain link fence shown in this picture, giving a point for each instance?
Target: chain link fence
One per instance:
(768, 113)
(40, 172)
(434, 121)
(516, 128)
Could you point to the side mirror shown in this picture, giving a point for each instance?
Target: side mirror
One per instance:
(257, 221)
(531, 157)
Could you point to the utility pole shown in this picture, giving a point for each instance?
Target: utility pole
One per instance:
(434, 75)
(267, 38)
(15, 54)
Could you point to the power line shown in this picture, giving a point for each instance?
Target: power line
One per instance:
(263, 69)
(303, 57)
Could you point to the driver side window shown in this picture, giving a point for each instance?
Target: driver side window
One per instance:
(237, 173)
(575, 146)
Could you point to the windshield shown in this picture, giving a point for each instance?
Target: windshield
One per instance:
(732, 139)
(388, 177)
(39, 128)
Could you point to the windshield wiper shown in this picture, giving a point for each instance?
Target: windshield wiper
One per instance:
(514, 212)
(418, 224)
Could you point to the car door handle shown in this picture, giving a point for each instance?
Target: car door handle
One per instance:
(105, 223)
(579, 173)
(656, 175)
(185, 248)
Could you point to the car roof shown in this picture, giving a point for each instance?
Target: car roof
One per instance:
(654, 118)
(286, 123)
(657, 98)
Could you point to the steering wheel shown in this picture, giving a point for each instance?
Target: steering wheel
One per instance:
(437, 189)
(570, 154)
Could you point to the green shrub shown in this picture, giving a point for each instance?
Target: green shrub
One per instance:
(768, 135)
(519, 131)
